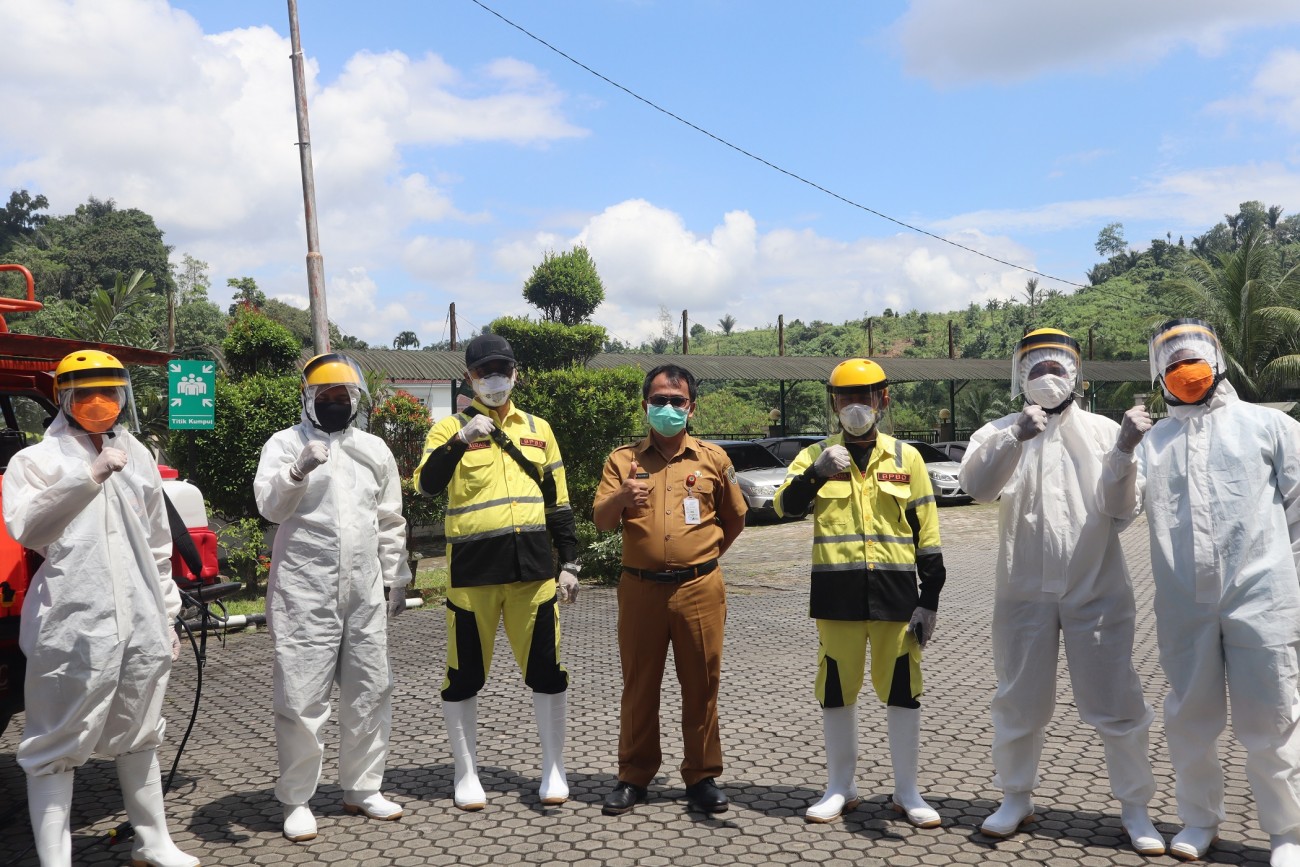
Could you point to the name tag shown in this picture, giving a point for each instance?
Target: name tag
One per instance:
(894, 477)
(691, 509)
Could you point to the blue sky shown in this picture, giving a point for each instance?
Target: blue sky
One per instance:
(452, 151)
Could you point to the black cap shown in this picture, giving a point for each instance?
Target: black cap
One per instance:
(487, 347)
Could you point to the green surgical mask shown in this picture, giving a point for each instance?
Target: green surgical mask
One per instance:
(666, 420)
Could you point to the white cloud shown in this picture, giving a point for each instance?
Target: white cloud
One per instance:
(131, 100)
(1274, 93)
(648, 258)
(1196, 199)
(956, 42)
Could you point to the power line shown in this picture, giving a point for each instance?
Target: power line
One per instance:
(769, 164)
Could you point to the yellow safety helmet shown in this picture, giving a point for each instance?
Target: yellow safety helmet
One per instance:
(857, 374)
(89, 368)
(332, 368)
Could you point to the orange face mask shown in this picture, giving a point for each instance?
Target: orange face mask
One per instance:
(1189, 382)
(95, 412)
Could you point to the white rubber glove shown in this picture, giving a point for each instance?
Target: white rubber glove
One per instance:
(1031, 422)
(312, 456)
(176, 646)
(107, 462)
(922, 624)
(831, 461)
(396, 601)
(567, 587)
(1136, 423)
(478, 428)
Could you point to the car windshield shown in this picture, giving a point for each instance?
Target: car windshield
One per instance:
(751, 456)
(929, 453)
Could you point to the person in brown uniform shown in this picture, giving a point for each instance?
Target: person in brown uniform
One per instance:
(680, 508)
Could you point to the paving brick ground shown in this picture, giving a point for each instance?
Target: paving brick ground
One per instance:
(223, 810)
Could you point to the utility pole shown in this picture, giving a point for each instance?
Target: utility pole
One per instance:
(320, 332)
(780, 334)
(686, 337)
(871, 348)
(452, 316)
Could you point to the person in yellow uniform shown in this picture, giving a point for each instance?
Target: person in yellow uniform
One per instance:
(875, 538)
(681, 508)
(507, 506)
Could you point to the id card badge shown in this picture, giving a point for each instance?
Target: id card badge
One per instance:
(691, 510)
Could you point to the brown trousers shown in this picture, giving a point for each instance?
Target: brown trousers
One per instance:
(691, 615)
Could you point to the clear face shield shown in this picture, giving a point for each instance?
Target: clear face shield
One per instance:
(1186, 360)
(1055, 358)
(855, 411)
(96, 409)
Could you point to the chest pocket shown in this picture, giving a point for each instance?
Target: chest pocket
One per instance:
(833, 504)
(477, 466)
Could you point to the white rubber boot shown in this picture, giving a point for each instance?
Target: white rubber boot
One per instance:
(1017, 809)
(840, 726)
(142, 794)
(1191, 844)
(49, 801)
(373, 805)
(1286, 849)
(462, 729)
(904, 745)
(550, 712)
(299, 823)
(1141, 832)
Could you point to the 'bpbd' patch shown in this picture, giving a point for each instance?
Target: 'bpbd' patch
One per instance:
(894, 477)
(537, 444)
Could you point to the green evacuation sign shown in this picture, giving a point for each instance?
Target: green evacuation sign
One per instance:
(191, 395)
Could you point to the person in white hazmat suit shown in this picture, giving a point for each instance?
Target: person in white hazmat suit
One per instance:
(97, 621)
(1220, 482)
(336, 493)
(1060, 573)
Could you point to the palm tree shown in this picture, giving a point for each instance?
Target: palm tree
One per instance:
(1252, 304)
(406, 340)
(727, 323)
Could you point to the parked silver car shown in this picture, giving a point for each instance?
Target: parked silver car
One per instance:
(758, 473)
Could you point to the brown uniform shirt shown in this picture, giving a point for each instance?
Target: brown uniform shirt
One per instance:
(657, 536)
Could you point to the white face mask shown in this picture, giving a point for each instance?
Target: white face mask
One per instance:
(1048, 391)
(494, 389)
(857, 419)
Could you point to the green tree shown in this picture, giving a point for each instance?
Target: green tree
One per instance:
(1252, 303)
(257, 344)
(566, 288)
(246, 294)
(726, 323)
(19, 220)
(1110, 240)
(548, 345)
(403, 423)
(406, 340)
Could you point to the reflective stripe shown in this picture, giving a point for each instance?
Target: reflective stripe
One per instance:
(550, 468)
(553, 509)
(504, 531)
(862, 537)
(487, 504)
(860, 566)
(532, 425)
(921, 501)
(937, 549)
(898, 453)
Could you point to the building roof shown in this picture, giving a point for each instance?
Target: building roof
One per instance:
(420, 364)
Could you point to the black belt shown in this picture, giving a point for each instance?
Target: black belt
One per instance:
(676, 575)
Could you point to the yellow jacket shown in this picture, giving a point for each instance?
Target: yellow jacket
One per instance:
(875, 532)
(498, 517)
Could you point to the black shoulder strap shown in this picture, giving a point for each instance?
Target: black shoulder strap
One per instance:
(507, 445)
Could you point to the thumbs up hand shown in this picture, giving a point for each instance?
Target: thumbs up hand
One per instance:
(634, 493)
